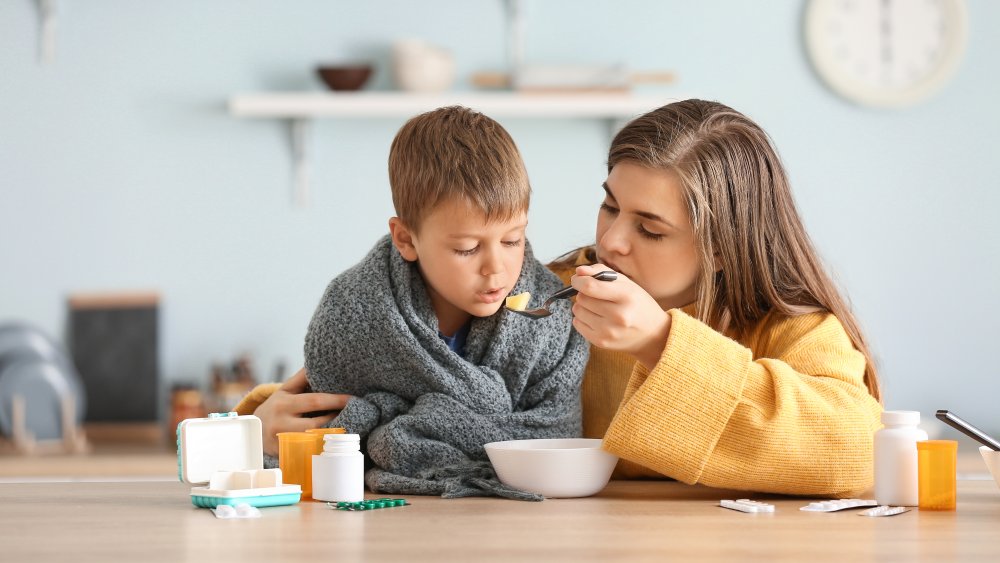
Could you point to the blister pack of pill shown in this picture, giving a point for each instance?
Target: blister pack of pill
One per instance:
(835, 505)
(239, 511)
(884, 511)
(370, 504)
(747, 505)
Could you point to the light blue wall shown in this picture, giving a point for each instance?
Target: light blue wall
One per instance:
(121, 169)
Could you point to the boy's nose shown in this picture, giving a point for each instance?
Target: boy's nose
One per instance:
(492, 263)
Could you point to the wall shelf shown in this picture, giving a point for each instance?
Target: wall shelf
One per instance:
(300, 108)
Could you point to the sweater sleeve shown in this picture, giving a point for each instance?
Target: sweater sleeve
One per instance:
(797, 419)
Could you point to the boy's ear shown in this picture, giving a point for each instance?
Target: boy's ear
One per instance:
(402, 239)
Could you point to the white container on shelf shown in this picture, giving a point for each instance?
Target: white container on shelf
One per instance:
(896, 458)
(421, 67)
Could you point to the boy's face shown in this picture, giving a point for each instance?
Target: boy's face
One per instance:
(469, 265)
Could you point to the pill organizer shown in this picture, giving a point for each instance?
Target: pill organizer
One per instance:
(746, 505)
(224, 454)
(835, 505)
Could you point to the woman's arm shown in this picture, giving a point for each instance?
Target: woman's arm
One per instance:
(281, 409)
(797, 420)
(793, 415)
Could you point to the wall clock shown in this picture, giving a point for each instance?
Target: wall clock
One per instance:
(885, 53)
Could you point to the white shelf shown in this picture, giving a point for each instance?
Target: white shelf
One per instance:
(307, 105)
(302, 107)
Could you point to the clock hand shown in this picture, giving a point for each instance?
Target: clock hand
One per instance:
(885, 11)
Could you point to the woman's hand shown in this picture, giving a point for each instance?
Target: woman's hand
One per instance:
(283, 410)
(619, 316)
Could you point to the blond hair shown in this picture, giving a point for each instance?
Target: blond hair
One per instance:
(456, 153)
(744, 218)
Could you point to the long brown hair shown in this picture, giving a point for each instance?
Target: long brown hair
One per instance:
(744, 217)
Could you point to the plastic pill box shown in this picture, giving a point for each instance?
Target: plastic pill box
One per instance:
(224, 454)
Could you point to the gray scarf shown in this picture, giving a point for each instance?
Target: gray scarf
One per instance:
(426, 411)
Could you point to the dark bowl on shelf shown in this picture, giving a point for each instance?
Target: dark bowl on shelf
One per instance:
(345, 77)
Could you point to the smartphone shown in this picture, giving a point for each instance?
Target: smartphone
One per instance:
(969, 430)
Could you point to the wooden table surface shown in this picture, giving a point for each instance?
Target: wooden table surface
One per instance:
(629, 520)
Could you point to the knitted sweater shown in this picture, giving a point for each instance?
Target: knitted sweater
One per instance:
(424, 411)
(785, 410)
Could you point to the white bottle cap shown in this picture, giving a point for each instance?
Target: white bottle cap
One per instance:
(911, 418)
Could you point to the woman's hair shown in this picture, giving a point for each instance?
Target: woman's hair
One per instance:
(456, 153)
(744, 218)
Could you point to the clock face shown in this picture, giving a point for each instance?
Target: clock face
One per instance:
(885, 52)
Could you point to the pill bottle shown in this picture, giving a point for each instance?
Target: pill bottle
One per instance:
(339, 472)
(896, 458)
(295, 454)
(936, 460)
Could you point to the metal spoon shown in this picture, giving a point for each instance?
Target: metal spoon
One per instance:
(951, 419)
(564, 293)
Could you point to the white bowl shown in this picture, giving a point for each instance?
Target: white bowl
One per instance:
(992, 459)
(555, 468)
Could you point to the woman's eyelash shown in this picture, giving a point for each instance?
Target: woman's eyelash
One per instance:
(642, 230)
(646, 234)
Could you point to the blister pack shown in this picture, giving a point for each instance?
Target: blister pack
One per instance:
(747, 505)
(835, 505)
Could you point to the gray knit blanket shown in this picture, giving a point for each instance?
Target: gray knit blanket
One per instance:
(424, 411)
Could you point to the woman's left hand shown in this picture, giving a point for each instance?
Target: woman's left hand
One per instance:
(619, 316)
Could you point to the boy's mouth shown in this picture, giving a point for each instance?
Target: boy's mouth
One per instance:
(491, 295)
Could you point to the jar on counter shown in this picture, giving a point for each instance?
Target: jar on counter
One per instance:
(339, 472)
(896, 458)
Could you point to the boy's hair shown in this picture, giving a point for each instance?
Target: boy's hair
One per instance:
(744, 217)
(455, 152)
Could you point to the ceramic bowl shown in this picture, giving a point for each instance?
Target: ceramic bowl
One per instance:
(555, 468)
(992, 459)
(346, 77)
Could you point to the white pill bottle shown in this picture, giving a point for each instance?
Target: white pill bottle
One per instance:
(339, 472)
(896, 458)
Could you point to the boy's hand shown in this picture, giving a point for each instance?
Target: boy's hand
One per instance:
(283, 410)
(619, 316)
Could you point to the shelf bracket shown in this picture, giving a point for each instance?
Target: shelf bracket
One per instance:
(301, 138)
(514, 12)
(47, 31)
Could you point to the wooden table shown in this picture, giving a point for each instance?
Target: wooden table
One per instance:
(629, 520)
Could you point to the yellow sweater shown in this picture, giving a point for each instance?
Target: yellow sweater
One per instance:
(785, 411)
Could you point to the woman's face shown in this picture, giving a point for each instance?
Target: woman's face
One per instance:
(644, 231)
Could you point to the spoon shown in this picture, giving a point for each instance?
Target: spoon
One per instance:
(951, 419)
(564, 293)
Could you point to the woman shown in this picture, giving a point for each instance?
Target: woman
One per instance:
(723, 354)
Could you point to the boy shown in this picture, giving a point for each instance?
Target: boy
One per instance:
(415, 334)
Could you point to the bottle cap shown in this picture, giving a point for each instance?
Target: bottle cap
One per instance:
(335, 430)
(937, 445)
(341, 437)
(901, 417)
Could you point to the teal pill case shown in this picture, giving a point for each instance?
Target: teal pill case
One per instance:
(224, 454)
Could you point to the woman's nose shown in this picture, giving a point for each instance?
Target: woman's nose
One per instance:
(614, 239)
